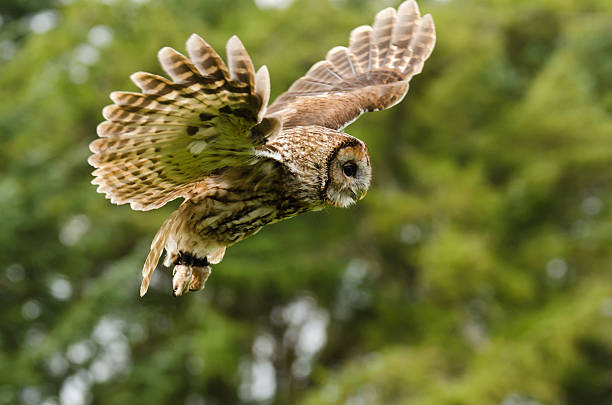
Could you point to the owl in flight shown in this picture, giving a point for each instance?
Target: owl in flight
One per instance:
(209, 136)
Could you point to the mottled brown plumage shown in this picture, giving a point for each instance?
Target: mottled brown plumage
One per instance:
(208, 136)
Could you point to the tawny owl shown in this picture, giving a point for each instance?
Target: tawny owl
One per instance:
(209, 136)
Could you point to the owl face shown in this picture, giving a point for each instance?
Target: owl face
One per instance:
(349, 174)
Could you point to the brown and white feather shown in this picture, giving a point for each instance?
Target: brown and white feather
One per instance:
(371, 74)
(157, 144)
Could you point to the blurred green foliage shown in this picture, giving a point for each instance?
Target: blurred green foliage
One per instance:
(477, 270)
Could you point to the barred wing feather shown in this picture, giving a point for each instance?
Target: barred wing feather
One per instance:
(371, 74)
(155, 145)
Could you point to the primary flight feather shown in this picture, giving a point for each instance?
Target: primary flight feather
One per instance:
(208, 136)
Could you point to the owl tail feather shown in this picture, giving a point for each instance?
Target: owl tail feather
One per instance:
(157, 246)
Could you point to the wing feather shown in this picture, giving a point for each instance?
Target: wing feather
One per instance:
(178, 67)
(155, 145)
(403, 31)
(262, 89)
(108, 129)
(382, 30)
(240, 65)
(360, 45)
(342, 60)
(370, 75)
(421, 46)
(206, 59)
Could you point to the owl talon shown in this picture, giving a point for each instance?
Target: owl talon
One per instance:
(181, 280)
(200, 275)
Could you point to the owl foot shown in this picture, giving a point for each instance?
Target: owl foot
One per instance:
(200, 275)
(182, 278)
(190, 273)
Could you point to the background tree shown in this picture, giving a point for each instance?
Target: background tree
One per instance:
(476, 271)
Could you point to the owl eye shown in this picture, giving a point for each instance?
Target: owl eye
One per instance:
(349, 169)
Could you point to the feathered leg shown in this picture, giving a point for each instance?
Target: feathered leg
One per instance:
(190, 273)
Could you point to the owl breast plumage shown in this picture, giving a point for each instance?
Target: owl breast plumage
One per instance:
(208, 136)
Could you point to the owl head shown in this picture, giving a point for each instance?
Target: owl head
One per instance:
(328, 167)
(348, 173)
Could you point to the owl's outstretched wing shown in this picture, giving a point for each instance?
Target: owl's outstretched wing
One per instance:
(370, 75)
(157, 144)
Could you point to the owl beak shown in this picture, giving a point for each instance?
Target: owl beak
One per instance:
(357, 195)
